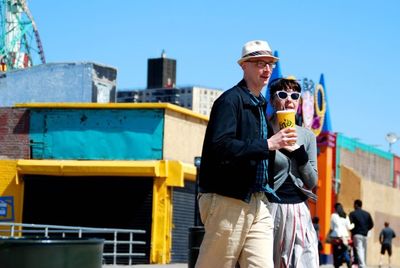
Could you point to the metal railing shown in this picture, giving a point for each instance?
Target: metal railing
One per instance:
(119, 244)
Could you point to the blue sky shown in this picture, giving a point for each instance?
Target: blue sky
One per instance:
(355, 44)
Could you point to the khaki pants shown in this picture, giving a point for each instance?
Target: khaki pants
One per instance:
(235, 231)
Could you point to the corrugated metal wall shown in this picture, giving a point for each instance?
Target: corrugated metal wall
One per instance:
(370, 162)
(183, 219)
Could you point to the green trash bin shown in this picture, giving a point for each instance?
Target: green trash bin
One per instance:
(24, 252)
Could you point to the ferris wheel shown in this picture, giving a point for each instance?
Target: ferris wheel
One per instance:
(20, 45)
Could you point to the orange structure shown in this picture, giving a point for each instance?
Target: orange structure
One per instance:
(323, 208)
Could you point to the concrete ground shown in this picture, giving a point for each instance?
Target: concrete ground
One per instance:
(175, 265)
(184, 265)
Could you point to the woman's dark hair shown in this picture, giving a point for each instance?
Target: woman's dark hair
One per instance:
(283, 84)
(339, 210)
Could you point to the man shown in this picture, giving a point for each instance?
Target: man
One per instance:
(362, 224)
(234, 169)
(385, 238)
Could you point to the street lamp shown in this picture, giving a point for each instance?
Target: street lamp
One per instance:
(391, 138)
(197, 221)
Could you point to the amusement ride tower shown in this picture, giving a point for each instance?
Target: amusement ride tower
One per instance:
(20, 45)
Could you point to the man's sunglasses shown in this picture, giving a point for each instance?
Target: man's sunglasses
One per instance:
(283, 95)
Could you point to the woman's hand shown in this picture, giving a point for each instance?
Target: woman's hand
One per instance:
(286, 138)
(291, 148)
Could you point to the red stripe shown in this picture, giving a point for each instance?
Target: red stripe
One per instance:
(301, 227)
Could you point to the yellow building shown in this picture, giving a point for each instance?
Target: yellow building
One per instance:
(104, 165)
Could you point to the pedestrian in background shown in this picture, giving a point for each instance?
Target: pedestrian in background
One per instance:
(315, 221)
(363, 222)
(294, 169)
(385, 238)
(234, 170)
(340, 235)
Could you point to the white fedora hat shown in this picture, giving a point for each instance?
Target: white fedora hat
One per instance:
(256, 49)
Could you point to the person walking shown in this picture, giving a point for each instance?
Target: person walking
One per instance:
(294, 169)
(234, 169)
(340, 235)
(385, 238)
(363, 222)
(315, 221)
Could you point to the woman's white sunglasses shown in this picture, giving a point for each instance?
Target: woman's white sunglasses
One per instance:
(283, 95)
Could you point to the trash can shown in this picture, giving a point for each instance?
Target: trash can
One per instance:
(196, 234)
(21, 252)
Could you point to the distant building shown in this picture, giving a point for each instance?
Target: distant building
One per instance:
(161, 79)
(59, 82)
(161, 72)
(197, 99)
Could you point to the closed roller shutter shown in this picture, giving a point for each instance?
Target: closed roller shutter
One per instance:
(183, 219)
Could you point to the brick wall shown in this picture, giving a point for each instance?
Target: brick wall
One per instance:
(14, 133)
(370, 162)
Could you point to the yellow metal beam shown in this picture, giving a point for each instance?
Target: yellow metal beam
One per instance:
(88, 168)
(175, 171)
(189, 171)
(161, 229)
(69, 105)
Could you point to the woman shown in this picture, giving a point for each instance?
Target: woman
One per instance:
(339, 233)
(294, 172)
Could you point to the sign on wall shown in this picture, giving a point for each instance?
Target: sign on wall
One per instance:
(6, 208)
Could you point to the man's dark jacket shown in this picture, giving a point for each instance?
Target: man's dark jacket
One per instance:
(362, 222)
(232, 145)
